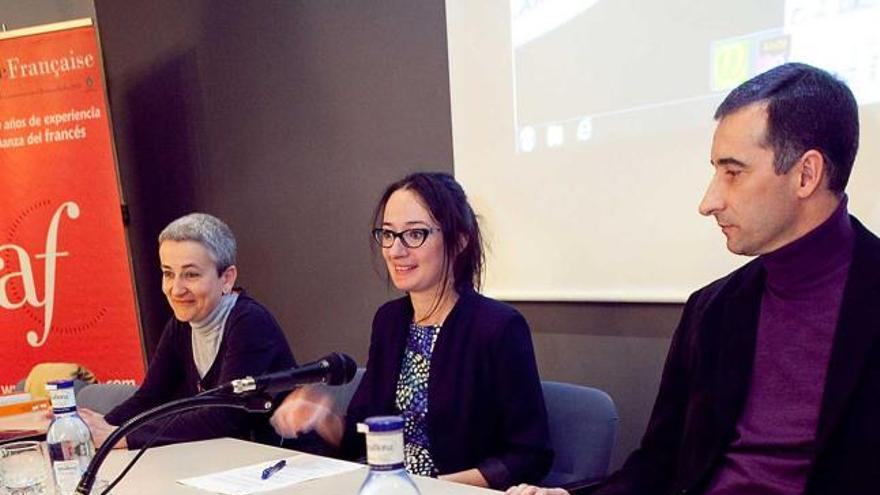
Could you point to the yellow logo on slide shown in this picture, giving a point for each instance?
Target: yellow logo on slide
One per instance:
(731, 61)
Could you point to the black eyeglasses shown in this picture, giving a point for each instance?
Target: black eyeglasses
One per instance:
(411, 238)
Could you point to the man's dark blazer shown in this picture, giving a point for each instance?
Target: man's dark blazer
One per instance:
(706, 380)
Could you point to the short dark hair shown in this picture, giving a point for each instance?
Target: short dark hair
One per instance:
(445, 199)
(807, 108)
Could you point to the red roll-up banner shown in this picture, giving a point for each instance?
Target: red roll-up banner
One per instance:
(66, 292)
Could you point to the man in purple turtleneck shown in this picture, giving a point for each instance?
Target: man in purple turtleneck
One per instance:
(772, 382)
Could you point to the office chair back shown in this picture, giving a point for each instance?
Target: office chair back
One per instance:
(103, 397)
(583, 427)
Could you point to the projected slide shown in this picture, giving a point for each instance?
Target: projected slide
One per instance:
(582, 130)
(559, 101)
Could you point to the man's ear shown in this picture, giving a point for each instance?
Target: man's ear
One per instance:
(812, 171)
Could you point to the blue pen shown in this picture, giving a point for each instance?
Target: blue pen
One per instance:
(274, 468)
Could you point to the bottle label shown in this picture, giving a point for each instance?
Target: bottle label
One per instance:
(63, 400)
(385, 449)
(70, 450)
(67, 475)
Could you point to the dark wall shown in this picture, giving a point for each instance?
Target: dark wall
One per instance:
(287, 120)
(152, 81)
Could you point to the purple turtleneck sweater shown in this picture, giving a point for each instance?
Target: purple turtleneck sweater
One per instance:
(773, 447)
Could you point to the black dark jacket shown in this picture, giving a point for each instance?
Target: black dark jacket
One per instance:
(706, 380)
(485, 405)
(252, 344)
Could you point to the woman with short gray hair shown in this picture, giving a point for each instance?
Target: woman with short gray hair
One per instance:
(208, 230)
(218, 333)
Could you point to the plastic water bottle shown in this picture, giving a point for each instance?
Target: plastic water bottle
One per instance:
(70, 442)
(385, 457)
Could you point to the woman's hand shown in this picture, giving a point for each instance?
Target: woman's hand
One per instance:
(100, 428)
(524, 489)
(306, 409)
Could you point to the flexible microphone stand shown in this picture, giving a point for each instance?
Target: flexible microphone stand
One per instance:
(253, 403)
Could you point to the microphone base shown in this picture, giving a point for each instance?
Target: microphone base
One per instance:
(252, 403)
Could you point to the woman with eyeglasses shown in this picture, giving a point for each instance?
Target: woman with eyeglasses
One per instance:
(458, 366)
(218, 333)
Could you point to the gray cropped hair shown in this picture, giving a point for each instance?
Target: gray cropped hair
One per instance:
(207, 230)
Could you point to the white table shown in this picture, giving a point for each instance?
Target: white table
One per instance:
(33, 421)
(160, 467)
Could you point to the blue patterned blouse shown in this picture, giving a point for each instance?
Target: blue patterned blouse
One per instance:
(412, 398)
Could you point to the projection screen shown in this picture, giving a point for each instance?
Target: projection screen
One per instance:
(582, 130)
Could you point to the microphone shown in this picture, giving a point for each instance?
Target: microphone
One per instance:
(333, 369)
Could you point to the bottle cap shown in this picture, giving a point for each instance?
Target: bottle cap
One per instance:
(59, 384)
(385, 449)
(383, 423)
(62, 396)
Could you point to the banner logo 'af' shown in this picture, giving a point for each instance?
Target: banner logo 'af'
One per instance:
(25, 274)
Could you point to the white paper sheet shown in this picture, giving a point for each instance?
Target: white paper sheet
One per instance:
(246, 480)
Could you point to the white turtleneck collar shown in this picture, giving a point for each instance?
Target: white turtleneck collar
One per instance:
(208, 333)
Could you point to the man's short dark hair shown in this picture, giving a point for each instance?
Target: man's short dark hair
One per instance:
(807, 108)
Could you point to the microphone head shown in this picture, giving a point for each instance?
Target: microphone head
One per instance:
(341, 368)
